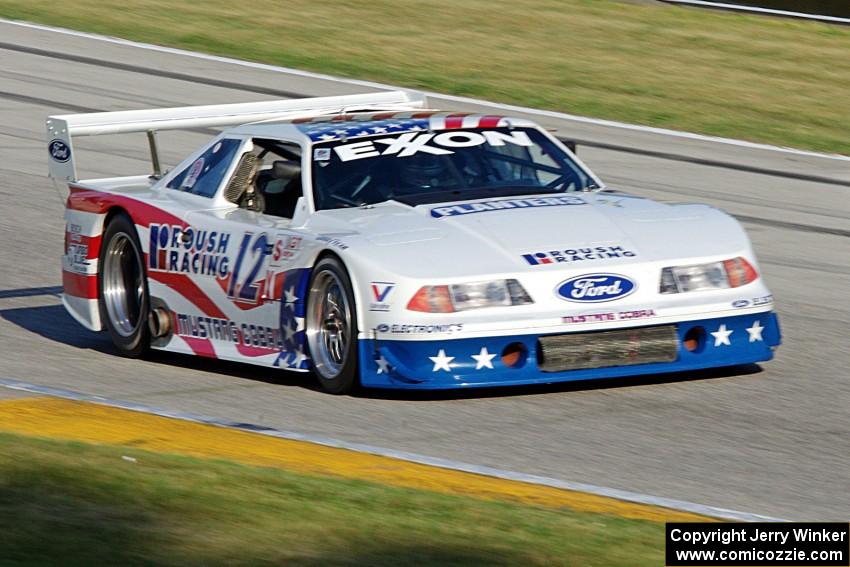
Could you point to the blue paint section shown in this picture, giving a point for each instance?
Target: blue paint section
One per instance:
(330, 131)
(419, 364)
(293, 306)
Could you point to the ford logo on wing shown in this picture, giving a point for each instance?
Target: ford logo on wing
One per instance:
(596, 288)
(59, 150)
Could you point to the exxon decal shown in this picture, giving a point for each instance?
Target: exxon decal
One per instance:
(59, 150)
(596, 288)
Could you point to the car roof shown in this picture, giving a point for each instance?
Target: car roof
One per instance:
(360, 125)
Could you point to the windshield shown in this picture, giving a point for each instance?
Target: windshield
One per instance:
(434, 167)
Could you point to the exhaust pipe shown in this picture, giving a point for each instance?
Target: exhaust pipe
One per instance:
(159, 322)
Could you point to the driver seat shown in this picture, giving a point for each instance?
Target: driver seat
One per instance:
(280, 187)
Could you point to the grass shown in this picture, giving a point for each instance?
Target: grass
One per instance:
(772, 80)
(71, 503)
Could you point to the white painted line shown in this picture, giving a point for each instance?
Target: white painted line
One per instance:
(624, 495)
(460, 99)
(758, 10)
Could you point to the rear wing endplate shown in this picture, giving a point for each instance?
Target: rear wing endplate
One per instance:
(62, 129)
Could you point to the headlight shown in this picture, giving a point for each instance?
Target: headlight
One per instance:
(474, 295)
(701, 277)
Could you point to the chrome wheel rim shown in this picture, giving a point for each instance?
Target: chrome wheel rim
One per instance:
(328, 325)
(123, 284)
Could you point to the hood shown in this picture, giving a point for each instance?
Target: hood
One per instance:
(580, 231)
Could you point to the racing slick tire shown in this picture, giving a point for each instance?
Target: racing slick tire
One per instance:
(331, 327)
(123, 288)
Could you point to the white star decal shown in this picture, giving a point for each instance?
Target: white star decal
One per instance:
(326, 137)
(340, 132)
(379, 129)
(483, 359)
(299, 358)
(383, 365)
(755, 332)
(289, 332)
(721, 336)
(290, 296)
(441, 361)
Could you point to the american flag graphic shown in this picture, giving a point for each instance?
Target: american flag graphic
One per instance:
(325, 130)
(293, 307)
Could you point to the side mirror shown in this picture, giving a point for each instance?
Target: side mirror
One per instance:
(571, 144)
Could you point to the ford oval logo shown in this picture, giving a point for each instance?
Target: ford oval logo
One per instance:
(59, 150)
(596, 288)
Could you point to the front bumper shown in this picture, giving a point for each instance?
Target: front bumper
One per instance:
(470, 362)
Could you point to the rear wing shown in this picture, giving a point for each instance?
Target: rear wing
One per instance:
(62, 129)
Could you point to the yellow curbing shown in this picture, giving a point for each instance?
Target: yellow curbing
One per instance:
(94, 423)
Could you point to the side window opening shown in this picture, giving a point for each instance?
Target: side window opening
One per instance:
(278, 180)
(204, 175)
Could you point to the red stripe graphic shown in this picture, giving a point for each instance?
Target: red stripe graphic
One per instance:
(93, 243)
(80, 285)
(455, 121)
(489, 121)
(183, 285)
(143, 214)
(253, 351)
(201, 347)
(180, 284)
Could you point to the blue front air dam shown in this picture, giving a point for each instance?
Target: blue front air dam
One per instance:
(477, 362)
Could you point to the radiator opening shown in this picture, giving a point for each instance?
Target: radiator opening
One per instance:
(601, 349)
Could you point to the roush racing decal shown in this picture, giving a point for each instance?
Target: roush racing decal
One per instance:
(174, 248)
(578, 254)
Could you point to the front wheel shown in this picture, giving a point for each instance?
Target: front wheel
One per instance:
(123, 288)
(332, 327)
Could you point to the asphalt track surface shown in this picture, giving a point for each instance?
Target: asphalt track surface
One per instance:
(771, 439)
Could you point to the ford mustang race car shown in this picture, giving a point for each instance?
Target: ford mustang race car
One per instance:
(377, 243)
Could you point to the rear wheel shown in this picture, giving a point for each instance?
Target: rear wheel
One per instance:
(123, 287)
(331, 327)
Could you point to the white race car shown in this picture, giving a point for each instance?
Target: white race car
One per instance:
(381, 244)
